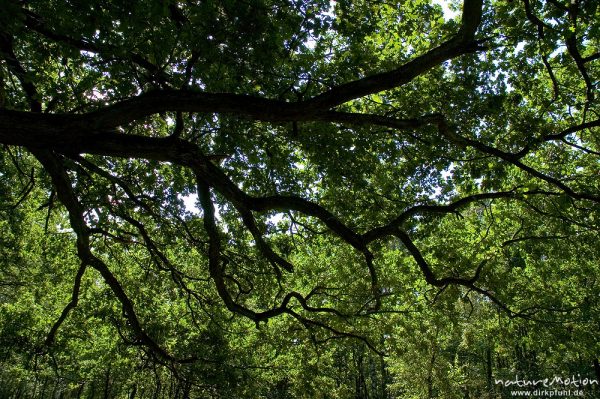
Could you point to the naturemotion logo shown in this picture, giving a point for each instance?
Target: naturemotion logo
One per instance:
(556, 386)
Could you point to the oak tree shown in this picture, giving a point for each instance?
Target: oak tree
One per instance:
(173, 171)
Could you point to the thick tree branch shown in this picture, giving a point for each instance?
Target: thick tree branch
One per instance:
(463, 43)
(98, 133)
(17, 126)
(216, 271)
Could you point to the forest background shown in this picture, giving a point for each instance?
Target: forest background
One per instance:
(298, 199)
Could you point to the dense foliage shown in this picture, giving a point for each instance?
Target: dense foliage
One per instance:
(298, 199)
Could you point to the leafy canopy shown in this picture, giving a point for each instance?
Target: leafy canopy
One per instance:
(175, 172)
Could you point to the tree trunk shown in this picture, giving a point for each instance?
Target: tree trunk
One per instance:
(430, 374)
(186, 390)
(19, 391)
(80, 390)
(43, 388)
(93, 391)
(56, 384)
(158, 386)
(107, 384)
(133, 391)
(488, 355)
(383, 372)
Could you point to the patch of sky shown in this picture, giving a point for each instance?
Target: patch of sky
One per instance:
(190, 202)
(450, 13)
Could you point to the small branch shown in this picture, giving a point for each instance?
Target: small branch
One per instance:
(571, 130)
(7, 52)
(60, 179)
(70, 306)
(571, 41)
(591, 57)
(532, 238)
(390, 228)
(36, 24)
(443, 282)
(178, 126)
